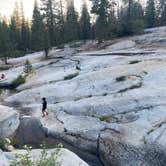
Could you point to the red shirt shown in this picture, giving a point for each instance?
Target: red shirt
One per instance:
(3, 76)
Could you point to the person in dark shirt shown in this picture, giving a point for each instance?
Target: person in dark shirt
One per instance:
(44, 107)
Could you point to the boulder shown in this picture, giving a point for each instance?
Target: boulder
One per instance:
(9, 121)
(3, 159)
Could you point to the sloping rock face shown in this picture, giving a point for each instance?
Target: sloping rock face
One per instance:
(109, 102)
(3, 159)
(9, 121)
(63, 158)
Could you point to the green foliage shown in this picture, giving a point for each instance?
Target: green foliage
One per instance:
(71, 23)
(3, 142)
(150, 14)
(131, 19)
(38, 30)
(71, 76)
(18, 81)
(5, 43)
(105, 119)
(25, 36)
(101, 9)
(49, 10)
(85, 25)
(28, 67)
(23, 159)
(52, 27)
(45, 159)
(137, 26)
(161, 12)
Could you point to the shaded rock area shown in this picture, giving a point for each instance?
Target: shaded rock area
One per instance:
(109, 103)
(31, 132)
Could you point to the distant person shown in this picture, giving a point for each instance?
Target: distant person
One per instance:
(44, 107)
(2, 76)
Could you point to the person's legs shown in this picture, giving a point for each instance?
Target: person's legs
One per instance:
(43, 112)
(46, 112)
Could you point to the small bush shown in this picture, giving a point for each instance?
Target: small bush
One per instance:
(28, 67)
(71, 76)
(3, 143)
(138, 26)
(105, 119)
(5, 67)
(121, 78)
(18, 81)
(134, 62)
(45, 159)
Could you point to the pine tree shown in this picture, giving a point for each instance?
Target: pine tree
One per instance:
(59, 23)
(15, 27)
(28, 67)
(25, 32)
(101, 9)
(25, 36)
(14, 33)
(137, 18)
(127, 17)
(38, 30)
(17, 16)
(48, 7)
(131, 18)
(162, 12)
(150, 14)
(71, 24)
(85, 25)
(112, 21)
(5, 43)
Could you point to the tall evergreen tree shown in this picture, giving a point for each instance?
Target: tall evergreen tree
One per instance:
(126, 19)
(14, 33)
(150, 14)
(59, 23)
(5, 43)
(71, 23)
(112, 21)
(48, 6)
(17, 16)
(101, 9)
(25, 32)
(131, 18)
(85, 25)
(161, 12)
(38, 30)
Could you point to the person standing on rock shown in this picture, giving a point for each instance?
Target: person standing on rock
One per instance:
(44, 107)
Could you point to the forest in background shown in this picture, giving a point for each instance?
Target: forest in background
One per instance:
(54, 24)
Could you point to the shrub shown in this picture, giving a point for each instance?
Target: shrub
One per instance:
(121, 78)
(28, 67)
(71, 76)
(138, 26)
(4, 143)
(18, 81)
(105, 119)
(45, 158)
